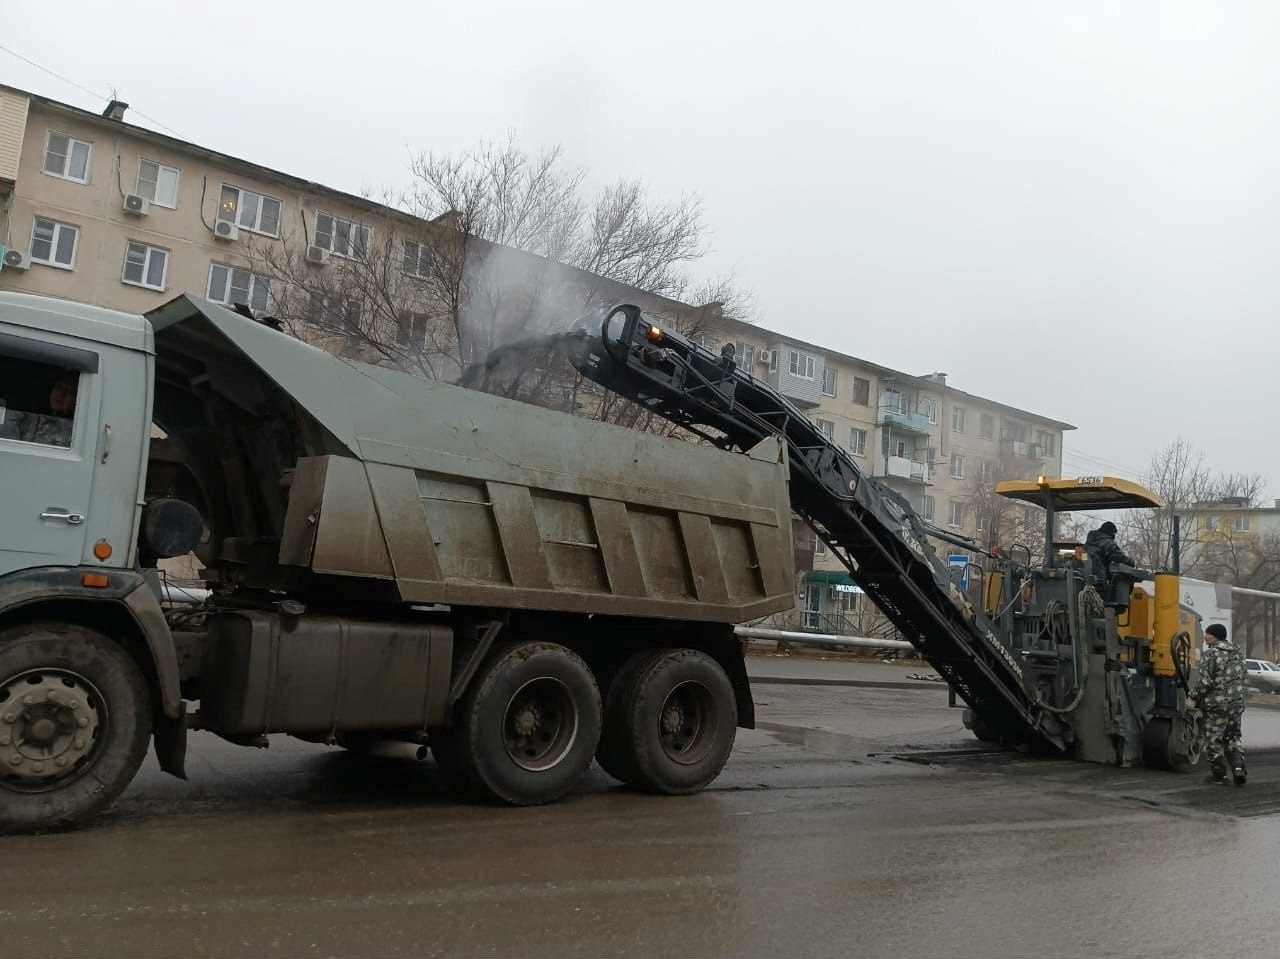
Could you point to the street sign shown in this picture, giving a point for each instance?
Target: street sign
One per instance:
(961, 562)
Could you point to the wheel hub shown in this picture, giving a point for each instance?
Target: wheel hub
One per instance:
(49, 725)
(541, 724)
(686, 724)
(526, 721)
(672, 719)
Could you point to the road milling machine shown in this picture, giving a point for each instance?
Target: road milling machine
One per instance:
(1050, 655)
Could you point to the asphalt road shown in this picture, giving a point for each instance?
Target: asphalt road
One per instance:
(856, 821)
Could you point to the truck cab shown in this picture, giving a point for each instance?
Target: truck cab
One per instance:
(75, 388)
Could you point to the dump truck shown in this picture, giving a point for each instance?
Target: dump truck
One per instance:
(390, 564)
(1053, 654)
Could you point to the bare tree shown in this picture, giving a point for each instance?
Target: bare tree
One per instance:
(493, 246)
(1002, 521)
(1179, 475)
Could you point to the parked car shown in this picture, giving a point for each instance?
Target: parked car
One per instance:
(1263, 675)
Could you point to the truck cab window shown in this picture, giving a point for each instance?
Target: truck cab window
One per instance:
(37, 402)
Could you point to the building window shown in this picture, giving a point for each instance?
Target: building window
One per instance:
(411, 330)
(158, 183)
(957, 419)
(826, 428)
(801, 365)
(957, 466)
(773, 361)
(956, 518)
(744, 354)
(232, 285)
(1212, 524)
(894, 401)
(54, 244)
(900, 449)
(145, 265)
(930, 409)
(1047, 442)
(416, 258)
(857, 441)
(926, 508)
(342, 237)
(249, 211)
(980, 523)
(984, 471)
(66, 157)
(828, 381)
(334, 311)
(1242, 523)
(987, 426)
(862, 391)
(819, 547)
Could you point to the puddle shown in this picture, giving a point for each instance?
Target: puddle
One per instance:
(822, 741)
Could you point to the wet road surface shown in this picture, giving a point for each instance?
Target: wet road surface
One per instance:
(855, 822)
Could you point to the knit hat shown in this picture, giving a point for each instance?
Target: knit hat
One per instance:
(1108, 527)
(1216, 630)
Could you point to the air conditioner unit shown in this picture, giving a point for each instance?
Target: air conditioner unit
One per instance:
(317, 255)
(136, 205)
(16, 260)
(226, 231)
(765, 357)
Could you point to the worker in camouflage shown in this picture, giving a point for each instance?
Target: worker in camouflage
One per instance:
(53, 428)
(1219, 695)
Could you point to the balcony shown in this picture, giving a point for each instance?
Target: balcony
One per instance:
(899, 419)
(1031, 451)
(899, 467)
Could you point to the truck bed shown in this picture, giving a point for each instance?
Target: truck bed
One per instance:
(452, 496)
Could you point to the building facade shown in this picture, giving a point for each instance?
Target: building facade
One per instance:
(1229, 535)
(942, 448)
(95, 209)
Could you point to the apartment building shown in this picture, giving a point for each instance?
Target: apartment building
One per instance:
(1229, 522)
(95, 209)
(941, 447)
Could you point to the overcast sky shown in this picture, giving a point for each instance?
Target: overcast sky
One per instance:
(1072, 208)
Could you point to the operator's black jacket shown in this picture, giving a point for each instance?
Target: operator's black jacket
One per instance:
(1103, 548)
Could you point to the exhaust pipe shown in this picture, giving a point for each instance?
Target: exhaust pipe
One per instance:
(386, 748)
(398, 749)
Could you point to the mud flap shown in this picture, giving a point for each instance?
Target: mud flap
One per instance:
(170, 740)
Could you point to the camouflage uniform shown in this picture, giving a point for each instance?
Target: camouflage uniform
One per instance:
(1219, 694)
(48, 430)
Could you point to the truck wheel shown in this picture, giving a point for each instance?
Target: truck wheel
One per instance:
(527, 729)
(75, 722)
(615, 754)
(679, 715)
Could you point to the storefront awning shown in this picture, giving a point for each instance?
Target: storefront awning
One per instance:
(837, 578)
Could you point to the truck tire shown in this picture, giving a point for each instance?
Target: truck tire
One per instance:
(527, 728)
(615, 754)
(673, 719)
(75, 714)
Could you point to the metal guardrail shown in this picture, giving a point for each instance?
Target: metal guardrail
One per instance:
(827, 640)
(1254, 592)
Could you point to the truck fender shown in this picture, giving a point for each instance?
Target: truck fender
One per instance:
(128, 591)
